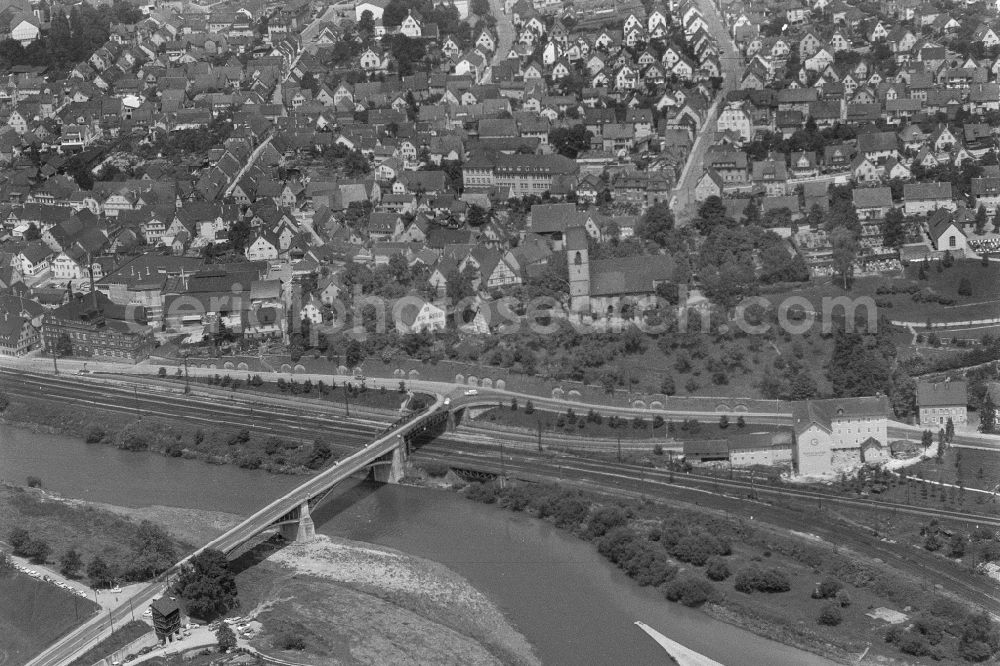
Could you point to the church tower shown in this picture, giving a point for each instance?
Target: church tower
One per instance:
(579, 269)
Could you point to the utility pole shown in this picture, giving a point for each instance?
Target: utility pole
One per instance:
(539, 435)
(347, 406)
(135, 393)
(187, 380)
(55, 366)
(619, 449)
(130, 610)
(111, 619)
(503, 466)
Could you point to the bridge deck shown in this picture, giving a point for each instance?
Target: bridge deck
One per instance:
(323, 481)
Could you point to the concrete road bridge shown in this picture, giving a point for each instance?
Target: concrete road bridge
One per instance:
(290, 515)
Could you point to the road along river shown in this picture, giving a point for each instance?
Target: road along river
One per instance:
(571, 604)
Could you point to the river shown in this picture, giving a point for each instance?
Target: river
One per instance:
(571, 604)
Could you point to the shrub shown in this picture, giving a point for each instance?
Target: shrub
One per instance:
(830, 615)
(913, 644)
(616, 543)
(843, 598)
(290, 641)
(482, 492)
(436, 469)
(95, 435)
(515, 498)
(657, 449)
(4, 401)
(162, 372)
(34, 482)
(605, 519)
(250, 460)
(755, 579)
(689, 591)
(827, 589)
(930, 628)
(133, 441)
(693, 549)
(569, 511)
(717, 568)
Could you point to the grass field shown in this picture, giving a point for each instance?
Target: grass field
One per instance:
(972, 468)
(120, 638)
(626, 429)
(386, 396)
(33, 614)
(66, 525)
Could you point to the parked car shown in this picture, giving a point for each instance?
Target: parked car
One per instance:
(472, 392)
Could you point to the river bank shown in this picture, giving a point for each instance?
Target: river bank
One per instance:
(356, 602)
(219, 445)
(755, 576)
(349, 599)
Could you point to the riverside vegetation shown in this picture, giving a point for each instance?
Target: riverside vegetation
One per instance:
(82, 541)
(172, 437)
(757, 577)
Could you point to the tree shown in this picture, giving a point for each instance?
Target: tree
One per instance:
(309, 83)
(529, 407)
(988, 415)
(572, 141)
(656, 223)
(965, 287)
(477, 216)
(723, 422)
(980, 220)
(70, 563)
(19, 538)
(100, 572)
(208, 585)
(394, 13)
(64, 345)
(366, 25)
(240, 234)
(830, 615)
(224, 635)
(949, 430)
(37, 551)
(845, 252)
(894, 228)
(926, 438)
(32, 233)
(711, 214)
(480, 7)
(405, 50)
(33, 482)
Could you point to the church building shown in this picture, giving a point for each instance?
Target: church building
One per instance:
(603, 287)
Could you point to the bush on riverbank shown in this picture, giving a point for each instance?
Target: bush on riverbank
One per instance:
(645, 539)
(221, 445)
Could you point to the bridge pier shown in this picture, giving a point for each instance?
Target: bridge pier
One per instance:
(391, 469)
(303, 530)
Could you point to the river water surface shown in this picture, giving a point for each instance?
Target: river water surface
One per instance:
(571, 604)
